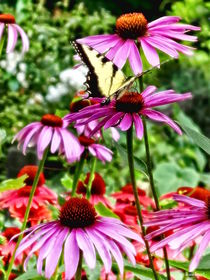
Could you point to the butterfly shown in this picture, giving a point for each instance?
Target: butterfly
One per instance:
(104, 79)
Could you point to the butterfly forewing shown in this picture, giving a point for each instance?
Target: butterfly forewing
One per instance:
(103, 78)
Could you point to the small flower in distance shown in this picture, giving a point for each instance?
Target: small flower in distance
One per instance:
(188, 223)
(36, 215)
(50, 131)
(98, 189)
(97, 150)
(133, 31)
(7, 20)
(19, 198)
(7, 248)
(78, 104)
(128, 109)
(79, 228)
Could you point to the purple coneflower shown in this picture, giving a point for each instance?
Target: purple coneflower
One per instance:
(132, 30)
(97, 150)
(128, 109)
(188, 222)
(51, 130)
(79, 229)
(13, 30)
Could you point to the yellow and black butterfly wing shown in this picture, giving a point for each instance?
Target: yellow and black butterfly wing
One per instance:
(103, 78)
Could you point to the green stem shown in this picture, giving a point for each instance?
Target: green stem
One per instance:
(151, 180)
(135, 191)
(91, 178)
(78, 275)
(77, 174)
(2, 43)
(33, 189)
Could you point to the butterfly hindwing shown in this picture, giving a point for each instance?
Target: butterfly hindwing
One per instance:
(103, 78)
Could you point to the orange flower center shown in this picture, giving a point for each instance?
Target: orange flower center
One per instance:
(31, 170)
(52, 120)
(130, 102)
(131, 26)
(77, 213)
(7, 18)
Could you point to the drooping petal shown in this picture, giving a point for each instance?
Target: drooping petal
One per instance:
(115, 134)
(29, 137)
(71, 255)
(150, 53)
(101, 152)
(203, 245)
(24, 38)
(44, 140)
(87, 247)
(104, 253)
(126, 122)
(189, 200)
(135, 59)
(160, 117)
(12, 38)
(56, 140)
(111, 53)
(122, 53)
(113, 120)
(138, 126)
(148, 91)
(116, 254)
(96, 39)
(53, 256)
(164, 20)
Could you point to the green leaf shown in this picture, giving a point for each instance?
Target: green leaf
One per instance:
(13, 184)
(170, 176)
(143, 272)
(61, 113)
(104, 211)
(31, 274)
(203, 268)
(201, 140)
(67, 181)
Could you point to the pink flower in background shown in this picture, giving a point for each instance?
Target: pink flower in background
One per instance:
(133, 31)
(78, 104)
(79, 228)
(97, 150)
(98, 189)
(189, 222)
(19, 198)
(50, 131)
(128, 109)
(7, 20)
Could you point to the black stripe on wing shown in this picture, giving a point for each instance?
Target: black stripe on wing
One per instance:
(92, 80)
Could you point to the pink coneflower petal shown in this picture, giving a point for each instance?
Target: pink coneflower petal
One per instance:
(71, 255)
(87, 247)
(160, 117)
(103, 251)
(203, 245)
(111, 53)
(150, 53)
(54, 255)
(135, 59)
(164, 20)
(112, 121)
(97, 39)
(105, 45)
(122, 54)
(166, 97)
(12, 38)
(148, 91)
(189, 200)
(44, 140)
(29, 137)
(24, 37)
(56, 140)
(166, 49)
(101, 152)
(116, 254)
(131, 257)
(126, 122)
(138, 126)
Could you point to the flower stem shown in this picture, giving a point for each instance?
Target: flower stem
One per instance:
(135, 191)
(91, 178)
(33, 189)
(2, 43)
(77, 173)
(151, 180)
(78, 275)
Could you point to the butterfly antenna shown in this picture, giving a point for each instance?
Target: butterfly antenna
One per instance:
(156, 66)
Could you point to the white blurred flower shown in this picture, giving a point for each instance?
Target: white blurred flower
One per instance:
(11, 62)
(74, 77)
(36, 99)
(56, 92)
(21, 77)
